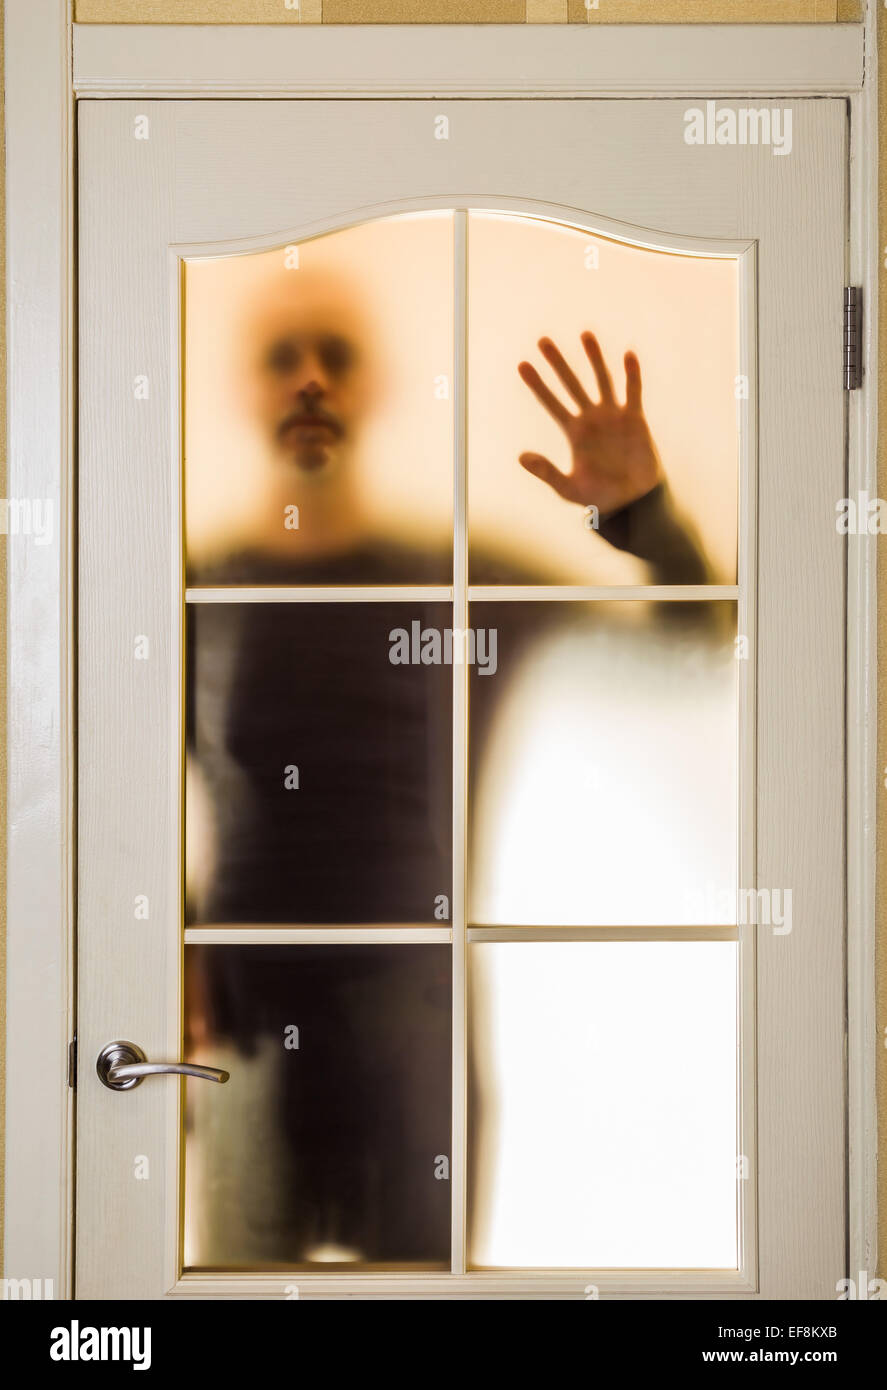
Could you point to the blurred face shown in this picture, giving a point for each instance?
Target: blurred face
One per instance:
(309, 380)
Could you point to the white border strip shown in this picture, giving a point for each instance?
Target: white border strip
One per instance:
(414, 60)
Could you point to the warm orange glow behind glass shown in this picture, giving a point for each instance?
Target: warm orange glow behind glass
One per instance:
(386, 288)
(530, 278)
(324, 387)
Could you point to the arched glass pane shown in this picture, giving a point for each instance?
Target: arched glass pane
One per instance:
(530, 279)
(318, 409)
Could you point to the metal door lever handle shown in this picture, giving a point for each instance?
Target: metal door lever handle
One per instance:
(123, 1065)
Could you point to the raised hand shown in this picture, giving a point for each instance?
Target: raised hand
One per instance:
(613, 459)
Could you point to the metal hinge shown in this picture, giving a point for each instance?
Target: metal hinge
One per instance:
(72, 1063)
(852, 337)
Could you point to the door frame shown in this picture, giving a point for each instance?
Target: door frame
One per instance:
(50, 63)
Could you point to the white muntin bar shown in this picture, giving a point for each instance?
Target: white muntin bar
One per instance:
(746, 759)
(649, 933)
(459, 1155)
(345, 593)
(598, 593)
(474, 593)
(274, 934)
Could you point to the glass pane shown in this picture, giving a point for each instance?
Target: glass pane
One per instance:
(603, 757)
(325, 1147)
(603, 1105)
(318, 409)
(531, 279)
(320, 782)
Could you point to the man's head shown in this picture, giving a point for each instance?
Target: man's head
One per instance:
(309, 378)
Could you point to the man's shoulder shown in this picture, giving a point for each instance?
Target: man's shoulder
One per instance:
(373, 562)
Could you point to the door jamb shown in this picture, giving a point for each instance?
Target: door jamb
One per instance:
(40, 636)
(863, 268)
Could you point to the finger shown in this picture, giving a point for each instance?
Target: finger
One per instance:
(632, 382)
(552, 354)
(544, 469)
(543, 394)
(596, 358)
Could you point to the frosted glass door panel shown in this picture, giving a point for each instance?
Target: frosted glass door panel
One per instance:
(318, 409)
(603, 1105)
(322, 1148)
(319, 782)
(604, 785)
(532, 281)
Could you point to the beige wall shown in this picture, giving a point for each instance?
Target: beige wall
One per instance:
(501, 12)
(466, 11)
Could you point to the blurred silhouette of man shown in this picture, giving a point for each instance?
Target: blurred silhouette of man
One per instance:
(310, 379)
(361, 832)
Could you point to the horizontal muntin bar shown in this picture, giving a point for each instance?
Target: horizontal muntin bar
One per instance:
(593, 593)
(477, 593)
(345, 593)
(536, 933)
(238, 933)
(269, 934)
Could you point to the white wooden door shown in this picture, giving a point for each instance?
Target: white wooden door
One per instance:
(620, 959)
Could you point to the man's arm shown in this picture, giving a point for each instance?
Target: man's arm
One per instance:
(615, 467)
(652, 529)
